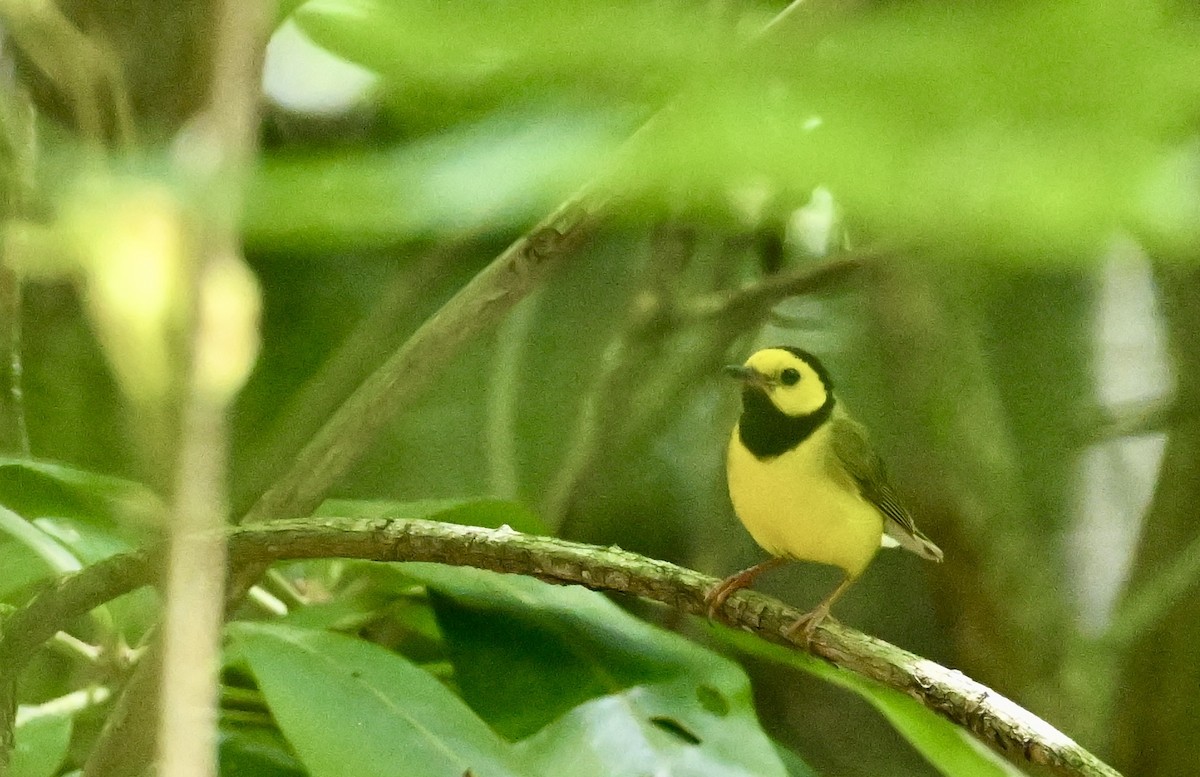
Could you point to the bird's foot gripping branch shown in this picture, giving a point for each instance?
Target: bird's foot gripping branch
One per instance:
(908, 689)
(805, 481)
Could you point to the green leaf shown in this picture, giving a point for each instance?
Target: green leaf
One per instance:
(346, 612)
(41, 745)
(75, 517)
(1030, 129)
(491, 175)
(596, 684)
(796, 766)
(89, 542)
(650, 729)
(350, 707)
(378, 598)
(135, 612)
(38, 489)
(285, 8)
(22, 567)
(58, 546)
(429, 53)
(57, 558)
(255, 751)
(64, 545)
(951, 749)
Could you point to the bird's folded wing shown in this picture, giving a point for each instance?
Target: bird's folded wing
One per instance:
(854, 454)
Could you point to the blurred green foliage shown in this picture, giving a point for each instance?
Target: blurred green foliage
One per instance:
(1023, 129)
(989, 155)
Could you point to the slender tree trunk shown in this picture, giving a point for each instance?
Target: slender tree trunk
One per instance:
(1157, 728)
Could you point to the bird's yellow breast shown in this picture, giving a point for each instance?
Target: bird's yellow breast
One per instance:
(798, 506)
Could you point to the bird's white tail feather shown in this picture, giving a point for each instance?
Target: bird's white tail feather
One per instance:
(895, 536)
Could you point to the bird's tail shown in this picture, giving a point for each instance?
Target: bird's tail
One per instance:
(916, 542)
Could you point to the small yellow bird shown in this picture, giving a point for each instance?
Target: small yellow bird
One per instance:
(805, 481)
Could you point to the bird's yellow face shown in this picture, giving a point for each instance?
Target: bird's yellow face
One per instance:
(791, 383)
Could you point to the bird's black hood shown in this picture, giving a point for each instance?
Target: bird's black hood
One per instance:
(767, 431)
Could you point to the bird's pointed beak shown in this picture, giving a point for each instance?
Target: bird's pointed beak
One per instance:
(747, 375)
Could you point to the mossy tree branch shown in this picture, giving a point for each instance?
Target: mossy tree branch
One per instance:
(994, 719)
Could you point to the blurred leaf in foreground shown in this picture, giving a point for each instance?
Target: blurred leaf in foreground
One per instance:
(41, 744)
(595, 687)
(487, 176)
(1030, 129)
(951, 749)
(347, 706)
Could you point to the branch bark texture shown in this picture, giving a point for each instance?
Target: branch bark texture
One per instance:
(994, 719)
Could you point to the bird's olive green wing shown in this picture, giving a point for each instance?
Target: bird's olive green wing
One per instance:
(854, 454)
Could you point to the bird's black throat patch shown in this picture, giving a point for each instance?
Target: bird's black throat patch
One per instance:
(767, 431)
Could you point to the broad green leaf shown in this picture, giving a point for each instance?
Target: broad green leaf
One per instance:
(1030, 129)
(951, 749)
(285, 8)
(493, 175)
(431, 54)
(350, 707)
(346, 612)
(648, 729)
(255, 751)
(89, 541)
(22, 566)
(57, 558)
(41, 745)
(67, 518)
(76, 517)
(795, 765)
(378, 598)
(41, 488)
(580, 675)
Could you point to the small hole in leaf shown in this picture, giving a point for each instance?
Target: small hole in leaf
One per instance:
(712, 700)
(675, 728)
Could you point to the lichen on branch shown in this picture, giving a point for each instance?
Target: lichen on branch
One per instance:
(997, 721)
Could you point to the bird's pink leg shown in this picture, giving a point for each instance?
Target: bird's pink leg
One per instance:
(808, 623)
(722, 591)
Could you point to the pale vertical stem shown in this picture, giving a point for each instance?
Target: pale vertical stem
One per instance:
(195, 596)
(215, 154)
(19, 130)
(15, 434)
(503, 395)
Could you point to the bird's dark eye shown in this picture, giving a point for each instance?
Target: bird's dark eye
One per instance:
(789, 377)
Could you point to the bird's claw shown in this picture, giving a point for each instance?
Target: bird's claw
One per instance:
(808, 624)
(714, 600)
(736, 582)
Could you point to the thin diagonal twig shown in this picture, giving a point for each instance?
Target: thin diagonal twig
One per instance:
(412, 368)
